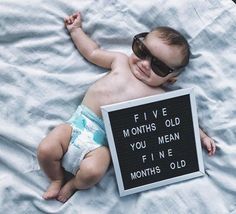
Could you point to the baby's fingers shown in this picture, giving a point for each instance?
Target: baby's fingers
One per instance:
(209, 148)
(213, 147)
(72, 18)
(67, 20)
(76, 15)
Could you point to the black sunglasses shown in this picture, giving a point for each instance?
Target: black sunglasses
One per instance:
(142, 52)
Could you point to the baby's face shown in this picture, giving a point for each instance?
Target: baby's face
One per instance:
(141, 68)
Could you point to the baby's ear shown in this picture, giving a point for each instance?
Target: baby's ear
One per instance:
(172, 80)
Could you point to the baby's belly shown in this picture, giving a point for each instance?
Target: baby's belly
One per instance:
(94, 99)
(113, 91)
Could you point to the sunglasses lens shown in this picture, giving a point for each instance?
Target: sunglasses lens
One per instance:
(138, 49)
(159, 68)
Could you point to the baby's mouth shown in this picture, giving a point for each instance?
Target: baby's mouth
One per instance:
(143, 71)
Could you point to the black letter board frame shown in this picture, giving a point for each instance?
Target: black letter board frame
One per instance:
(107, 110)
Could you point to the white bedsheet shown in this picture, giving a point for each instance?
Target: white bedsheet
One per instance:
(43, 78)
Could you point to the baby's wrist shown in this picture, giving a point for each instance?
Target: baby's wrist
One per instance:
(75, 29)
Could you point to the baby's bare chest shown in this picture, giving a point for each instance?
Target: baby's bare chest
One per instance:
(118, 87)
(112, 88)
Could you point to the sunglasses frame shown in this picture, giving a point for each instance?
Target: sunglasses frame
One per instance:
(156, 70)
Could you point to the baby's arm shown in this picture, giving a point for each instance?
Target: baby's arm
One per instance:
(87, 47)
(208, 143)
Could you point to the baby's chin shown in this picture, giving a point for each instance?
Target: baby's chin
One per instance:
(151, 83)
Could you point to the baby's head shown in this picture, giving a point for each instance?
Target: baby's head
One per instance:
(159, 55)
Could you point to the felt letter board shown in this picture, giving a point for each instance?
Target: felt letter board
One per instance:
(154, 141)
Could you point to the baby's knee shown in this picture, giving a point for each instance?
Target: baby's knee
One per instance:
(43, 152)
(89, 176)
(92, 173)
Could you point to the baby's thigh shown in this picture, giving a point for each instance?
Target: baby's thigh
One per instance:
(58, 138)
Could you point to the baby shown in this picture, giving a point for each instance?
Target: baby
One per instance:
(79, 145)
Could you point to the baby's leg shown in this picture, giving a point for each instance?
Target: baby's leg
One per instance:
(92, 169)
(50, 153)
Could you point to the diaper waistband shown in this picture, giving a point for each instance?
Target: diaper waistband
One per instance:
(84, 110)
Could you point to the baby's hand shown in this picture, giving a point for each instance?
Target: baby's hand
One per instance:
(73, 22)
(209, 144)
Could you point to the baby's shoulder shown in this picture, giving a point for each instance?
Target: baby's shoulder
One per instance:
(120, 61)
(121, 57)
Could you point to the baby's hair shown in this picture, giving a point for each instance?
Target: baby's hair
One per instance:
(173, 37)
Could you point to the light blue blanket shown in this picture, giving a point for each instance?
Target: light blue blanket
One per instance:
(43, 78)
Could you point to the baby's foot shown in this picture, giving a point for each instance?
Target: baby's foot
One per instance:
(53, 190)
(209, 144)
(66, 191)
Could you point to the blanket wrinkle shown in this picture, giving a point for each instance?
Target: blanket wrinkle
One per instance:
(43, 79)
